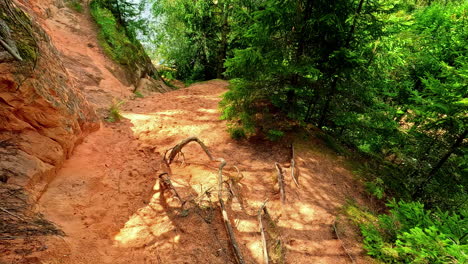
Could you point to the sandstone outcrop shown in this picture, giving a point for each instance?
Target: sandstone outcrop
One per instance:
(43, 115)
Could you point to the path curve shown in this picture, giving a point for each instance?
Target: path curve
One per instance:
(108, 203)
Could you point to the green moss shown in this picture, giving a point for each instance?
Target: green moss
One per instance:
(75, 5)
(26, 50)
(358, 215)
(22, 34)
(113, 38)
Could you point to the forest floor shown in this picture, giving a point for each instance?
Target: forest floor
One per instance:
(108, 201)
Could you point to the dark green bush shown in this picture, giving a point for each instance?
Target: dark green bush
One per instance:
(274, 135)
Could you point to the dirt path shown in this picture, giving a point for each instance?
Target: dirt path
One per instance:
(107, 199)
(108, 203)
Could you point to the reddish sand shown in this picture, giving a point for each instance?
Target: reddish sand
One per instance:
(107, 199)
(108, 202)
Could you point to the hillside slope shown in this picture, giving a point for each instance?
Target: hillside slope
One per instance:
(54, 77)
(109, 202)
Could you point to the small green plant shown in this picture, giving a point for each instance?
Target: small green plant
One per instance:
(412, 234)
(237, 132)
(138, 94)
(75, 5)
(274, 135)
(114, 112)
(375, 188)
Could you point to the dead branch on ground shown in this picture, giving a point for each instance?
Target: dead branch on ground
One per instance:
(10, 50)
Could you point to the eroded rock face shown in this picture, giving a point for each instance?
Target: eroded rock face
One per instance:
(43, 116)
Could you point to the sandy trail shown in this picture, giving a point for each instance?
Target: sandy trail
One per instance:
(107, 200)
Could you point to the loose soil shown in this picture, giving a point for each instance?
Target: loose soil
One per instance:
(108, 201)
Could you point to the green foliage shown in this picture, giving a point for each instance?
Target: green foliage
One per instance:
(274, 135)
(75, 5)
(193, 37)
(375, 188)
(114, 37)
(167, 74)
(411, 234)
(114, 112)
(388, 79)
(236, 132)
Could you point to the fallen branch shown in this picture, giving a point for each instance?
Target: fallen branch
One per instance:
(262, 232)
(280, 182)
(293, 164)
(227, 223)
(342, 244)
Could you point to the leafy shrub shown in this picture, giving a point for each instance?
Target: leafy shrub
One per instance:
(167, 73)
(411, 234)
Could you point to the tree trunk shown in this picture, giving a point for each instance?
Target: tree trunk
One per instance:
(333, 86)
(329, 97)
(440, 163)
(353, 26)
(222, 54)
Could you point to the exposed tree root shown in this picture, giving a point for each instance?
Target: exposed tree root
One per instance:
(231, 182)
(227, 223)
(276, 251)
(293, 165)
(166, 183)
(266, 259)
(281, 182)
(177, 148)
(342, 244)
